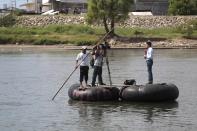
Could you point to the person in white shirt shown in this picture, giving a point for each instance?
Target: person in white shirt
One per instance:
(149, 60)
(83, 57)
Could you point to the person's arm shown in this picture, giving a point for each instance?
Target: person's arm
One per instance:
(145, 53)
(97, 53)
(93, 51)
(77, 60)
(76, 64)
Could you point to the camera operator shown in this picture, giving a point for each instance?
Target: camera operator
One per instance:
(99, 52)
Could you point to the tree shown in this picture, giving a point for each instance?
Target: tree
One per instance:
(108, 12)
(182, 7)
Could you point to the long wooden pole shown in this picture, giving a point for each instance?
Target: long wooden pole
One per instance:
(64, 83)
(109, 73)
(99, 41)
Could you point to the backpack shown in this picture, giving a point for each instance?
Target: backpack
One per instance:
(130, 82)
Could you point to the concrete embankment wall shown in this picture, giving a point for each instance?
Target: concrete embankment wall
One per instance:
(133, 21)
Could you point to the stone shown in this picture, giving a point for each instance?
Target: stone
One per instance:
(132, 21)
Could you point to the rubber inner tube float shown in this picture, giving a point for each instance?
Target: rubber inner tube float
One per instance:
(149, 92)
(98, 93)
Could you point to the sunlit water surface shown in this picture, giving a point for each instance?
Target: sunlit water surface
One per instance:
(29, 79)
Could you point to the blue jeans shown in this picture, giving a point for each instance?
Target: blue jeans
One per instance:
(149, 67)
(97, 72)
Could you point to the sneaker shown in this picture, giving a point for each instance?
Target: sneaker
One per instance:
(93, 85)
(88, 85)
(81, 87)
(102, 84)
(150, 82)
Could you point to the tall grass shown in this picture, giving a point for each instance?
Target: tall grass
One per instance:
(52, 29)
(158, 33)
(79, 34)
(53, 34)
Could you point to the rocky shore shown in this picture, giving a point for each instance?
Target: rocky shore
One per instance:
(173, 43)
(167, 44)
(132, 21)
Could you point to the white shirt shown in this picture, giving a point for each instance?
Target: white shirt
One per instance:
(84, 58)
(149, 54)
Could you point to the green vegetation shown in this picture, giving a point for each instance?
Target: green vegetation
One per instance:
(86, 35)
(189, 30)
(108, 11)
(168, 33)
(54, 34)
(182, 7)
(8, 20)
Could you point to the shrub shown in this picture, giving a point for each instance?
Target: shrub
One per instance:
(18, 12)
(7, 39)
(182, 7)
(46, 42)
(8, 20)
(138, 33)
(70, 29)
(188, 29)
(84, 42)
(193, 23)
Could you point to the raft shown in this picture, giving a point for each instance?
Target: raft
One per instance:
(149, 92)
(98, 93)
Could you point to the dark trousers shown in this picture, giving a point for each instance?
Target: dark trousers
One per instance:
(97, 71)
(84, 73)
(149, 68)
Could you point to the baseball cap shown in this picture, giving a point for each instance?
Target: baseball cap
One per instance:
(149, 43)
(83, 47)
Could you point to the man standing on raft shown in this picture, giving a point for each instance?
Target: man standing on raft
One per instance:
(84, 65)
(98, 55)
(149, 60)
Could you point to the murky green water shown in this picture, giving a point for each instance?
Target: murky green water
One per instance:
(28, 81)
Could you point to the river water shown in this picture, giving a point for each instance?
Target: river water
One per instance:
(29, 79)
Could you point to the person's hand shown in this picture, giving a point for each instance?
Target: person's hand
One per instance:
(92, 53)
(94, 48)
(144, 56)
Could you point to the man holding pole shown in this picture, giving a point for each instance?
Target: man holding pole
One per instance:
(98, 54)
(87, 63)
(83, 57)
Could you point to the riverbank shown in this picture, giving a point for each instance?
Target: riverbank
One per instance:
(169, 32)
(173, 44)
(78, 35)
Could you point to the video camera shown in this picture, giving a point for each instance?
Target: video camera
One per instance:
(105, 45)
